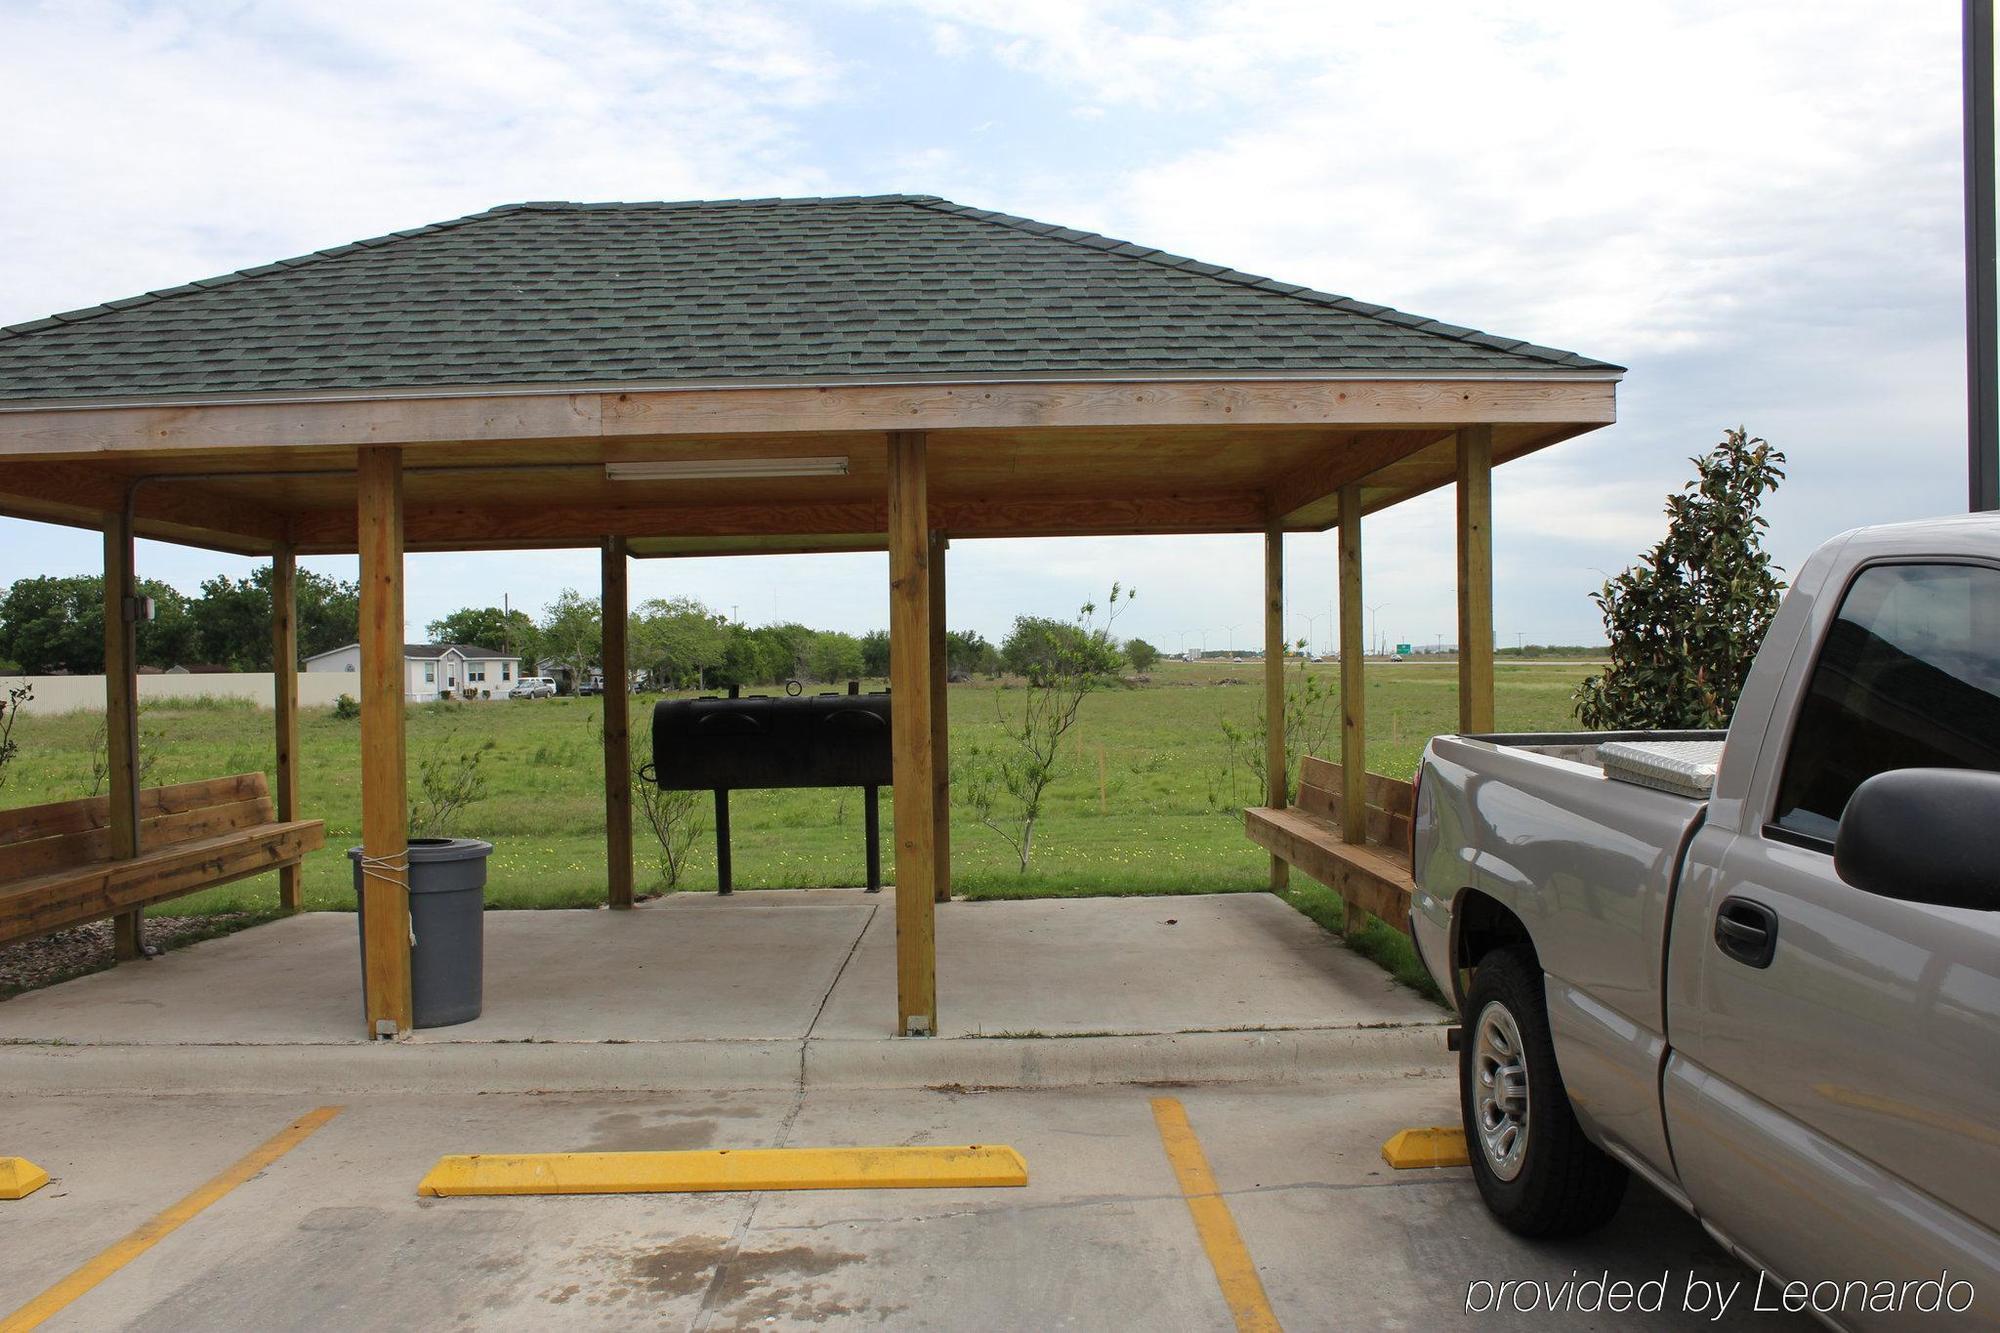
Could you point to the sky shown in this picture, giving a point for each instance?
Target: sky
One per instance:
(1754, 206)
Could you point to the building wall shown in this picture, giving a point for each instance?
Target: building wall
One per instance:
(69, 694)
(346, 660)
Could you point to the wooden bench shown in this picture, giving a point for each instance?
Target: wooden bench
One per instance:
(1373, 876)
(56, 867)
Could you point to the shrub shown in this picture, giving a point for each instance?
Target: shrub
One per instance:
(346, 707)
(10, 713)
(1686, 620)
(448, 780)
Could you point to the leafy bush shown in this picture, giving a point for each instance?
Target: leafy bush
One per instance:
(449, 779)
(10, 713)
(346, 708)
(1685, 622)
(677, 822)
(1004, 786)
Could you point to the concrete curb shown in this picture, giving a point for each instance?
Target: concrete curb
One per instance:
(1292, 1056)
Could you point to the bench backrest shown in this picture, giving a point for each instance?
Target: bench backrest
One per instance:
(62, 834)
(1391, 801)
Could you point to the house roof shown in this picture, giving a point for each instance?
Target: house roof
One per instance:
(422, 651)
(771, 290)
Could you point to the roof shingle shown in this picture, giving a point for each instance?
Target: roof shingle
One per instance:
(782, 289)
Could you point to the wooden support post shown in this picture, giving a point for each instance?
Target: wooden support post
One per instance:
(617, 729)
(1276, 763)
(121, 715)
(1353, 687)
(940, 726)
(910, 726)
(385, 812)
(285, 709)
(1475, 579)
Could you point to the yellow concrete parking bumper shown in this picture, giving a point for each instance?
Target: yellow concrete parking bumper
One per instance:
(725, 1169)
(20, 1177)
(1412, 1148)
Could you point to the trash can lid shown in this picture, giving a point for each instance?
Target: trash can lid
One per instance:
(440, 849)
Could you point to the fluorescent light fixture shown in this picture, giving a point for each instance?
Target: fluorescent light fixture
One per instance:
(692, 469)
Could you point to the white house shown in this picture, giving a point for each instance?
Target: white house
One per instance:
(432, 670)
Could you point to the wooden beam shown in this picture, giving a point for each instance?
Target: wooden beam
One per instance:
(910, 735)
(940, 725)
(385, 897)
(322, 531)
(617, 728)
(121, 715)
(285, 709)
(1475, 579)
(1276, 767)
(1306, 491)
(1353, 686)
(410, 418)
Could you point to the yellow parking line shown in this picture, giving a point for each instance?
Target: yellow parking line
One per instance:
(58, 1297)
(1235, 1271)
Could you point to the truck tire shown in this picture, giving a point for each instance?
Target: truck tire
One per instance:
(1535, 1169)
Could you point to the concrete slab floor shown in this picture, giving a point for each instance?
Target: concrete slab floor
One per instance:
(1059, 966)
(761, 967)
(332, 1235)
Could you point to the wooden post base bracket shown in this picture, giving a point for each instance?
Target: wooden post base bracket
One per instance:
(725, 1170)
(20, 1177)
(1410, 1149)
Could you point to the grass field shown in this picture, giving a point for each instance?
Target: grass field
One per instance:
(1148, 801)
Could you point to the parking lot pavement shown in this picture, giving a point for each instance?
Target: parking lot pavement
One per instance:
(331, 1234)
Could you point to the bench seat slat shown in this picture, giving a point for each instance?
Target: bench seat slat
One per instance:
(26, 859)
(54, 818)
(42, 903)
(1372, 877)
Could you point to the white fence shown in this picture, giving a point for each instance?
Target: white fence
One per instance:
(70, 694)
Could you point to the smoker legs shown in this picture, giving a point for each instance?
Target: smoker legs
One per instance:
(725, 880)
(871, 820)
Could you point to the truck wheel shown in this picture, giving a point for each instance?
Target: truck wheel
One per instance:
(1537, 1172)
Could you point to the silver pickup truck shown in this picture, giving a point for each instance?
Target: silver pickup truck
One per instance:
(1758, 969)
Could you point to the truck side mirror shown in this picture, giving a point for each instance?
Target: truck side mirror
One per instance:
(1924, 835)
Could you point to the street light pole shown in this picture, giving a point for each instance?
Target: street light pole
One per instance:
(1982, 341)
(1374, 628)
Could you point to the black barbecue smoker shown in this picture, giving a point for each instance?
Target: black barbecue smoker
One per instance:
(794, 740)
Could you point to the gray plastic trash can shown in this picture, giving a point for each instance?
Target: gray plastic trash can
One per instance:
(447, 906)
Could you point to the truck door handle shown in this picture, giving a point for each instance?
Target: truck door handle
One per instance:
(1747, 931)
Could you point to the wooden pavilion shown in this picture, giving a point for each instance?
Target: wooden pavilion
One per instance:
(750, 376)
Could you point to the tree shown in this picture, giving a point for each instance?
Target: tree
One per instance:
(231, 620)
(1140, 654)
(57, 624)
(1043, 649)
(875, 653)
(487, 627)
(571, 631)
(833, 656)
(1064, 661)
(1685, 622)
(966, 652)
(677, 638)
(51, 624)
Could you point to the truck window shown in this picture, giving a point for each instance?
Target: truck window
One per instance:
(1909, 677)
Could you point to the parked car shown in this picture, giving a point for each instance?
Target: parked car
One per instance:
(595, 685)
(1758, 969)
(533, 687)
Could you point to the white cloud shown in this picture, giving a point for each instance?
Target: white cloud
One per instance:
(183, 140)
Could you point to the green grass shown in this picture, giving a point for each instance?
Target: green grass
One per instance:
(1165, 817)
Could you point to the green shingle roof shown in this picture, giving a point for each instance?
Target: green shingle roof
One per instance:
(766, 289)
